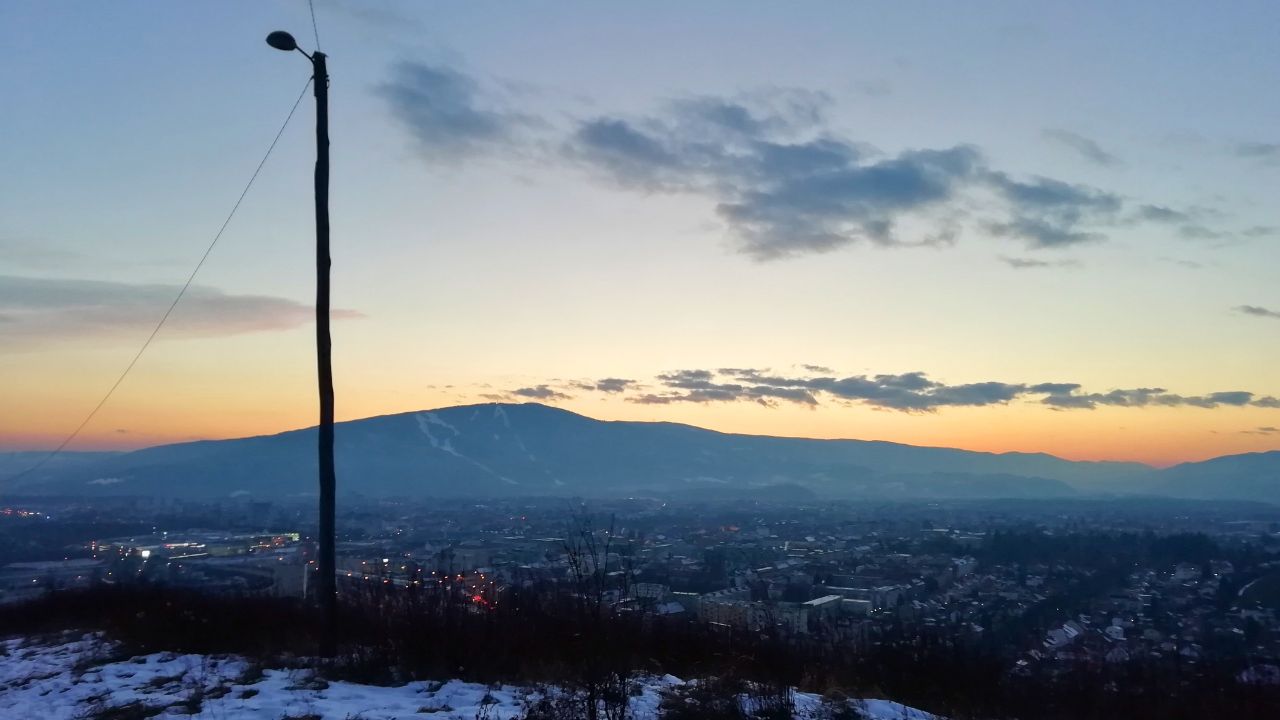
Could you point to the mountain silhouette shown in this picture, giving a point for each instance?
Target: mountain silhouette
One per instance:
(530, 449)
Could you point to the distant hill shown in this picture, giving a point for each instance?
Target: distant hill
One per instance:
(13, 464)
(532, 449)
(1251, 476)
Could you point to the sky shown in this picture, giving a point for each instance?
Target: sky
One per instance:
(999, 226)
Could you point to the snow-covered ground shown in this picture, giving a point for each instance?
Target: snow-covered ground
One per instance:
(84, 676)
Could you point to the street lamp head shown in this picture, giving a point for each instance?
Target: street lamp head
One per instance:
(282, 40)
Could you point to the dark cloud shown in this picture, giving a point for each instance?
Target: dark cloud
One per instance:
(1049, 213)
(1258, 311)
(1041, 234)
(781, 180)
(39, 310)
(911, 392)
(1237, 397)
(700, 386)
(540, 392)
(1086, 148)
(778, 197)
(832, 207)
(633, 158)
(786, 186)
(444, 111)
(908, 391)
(606, 385)
(1146, 397)
(1264, 430)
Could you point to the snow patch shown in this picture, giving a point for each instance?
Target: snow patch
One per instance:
(426, 420)
(79, 676)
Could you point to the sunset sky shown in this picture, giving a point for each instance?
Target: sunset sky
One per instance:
(996, 226)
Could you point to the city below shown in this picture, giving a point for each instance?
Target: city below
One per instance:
(1044, 585)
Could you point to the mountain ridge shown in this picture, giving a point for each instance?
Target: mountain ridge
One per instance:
(530, 448)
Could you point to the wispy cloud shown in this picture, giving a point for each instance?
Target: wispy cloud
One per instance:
(1162, 214)
(1018, 263)
(1260, 231)
(540, 392)
(447, 112)
(38, 310)
(1263, 430)
(700, 386)
(1083, 146)
(1264, 152)
(46, 256)
(776, 172)
(1049, 213)
(606, 385)
(1258, 311)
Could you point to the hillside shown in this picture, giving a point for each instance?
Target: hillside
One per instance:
(1251, 476)
(532, 449)
(90, 677)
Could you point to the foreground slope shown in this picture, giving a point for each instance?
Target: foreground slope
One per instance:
(88, 677)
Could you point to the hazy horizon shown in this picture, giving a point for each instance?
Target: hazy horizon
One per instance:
(487, 403)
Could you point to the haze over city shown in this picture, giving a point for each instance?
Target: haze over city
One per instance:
(986, 226)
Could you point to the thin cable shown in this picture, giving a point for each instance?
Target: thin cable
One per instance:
(312, 6)
(174, 304)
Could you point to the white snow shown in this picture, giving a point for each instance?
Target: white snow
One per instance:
(79, 675)
(437, 420)
(427, 419)
(889, 710)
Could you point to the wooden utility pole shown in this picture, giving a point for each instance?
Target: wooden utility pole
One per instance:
(326, 588)
(327, 585)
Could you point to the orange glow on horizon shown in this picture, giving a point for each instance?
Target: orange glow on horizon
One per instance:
(1156, 436)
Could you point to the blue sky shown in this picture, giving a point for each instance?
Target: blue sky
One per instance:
(1020, 195)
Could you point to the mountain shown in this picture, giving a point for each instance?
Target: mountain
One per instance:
(532, 449)
(1251, 476)
(16, 467)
